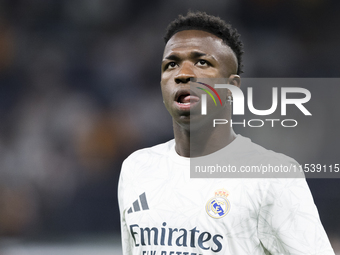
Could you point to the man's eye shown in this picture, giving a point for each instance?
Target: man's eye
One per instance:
(202, 62)
(171, 65)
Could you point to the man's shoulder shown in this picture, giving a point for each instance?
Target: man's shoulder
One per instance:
(144, 154)
(253, 151)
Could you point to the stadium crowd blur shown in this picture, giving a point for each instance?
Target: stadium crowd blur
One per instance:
(79, 82)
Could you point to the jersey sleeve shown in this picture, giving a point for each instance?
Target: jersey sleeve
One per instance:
(289, 222)
(122, 197)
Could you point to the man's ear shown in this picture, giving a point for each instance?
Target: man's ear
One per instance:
(235, 80)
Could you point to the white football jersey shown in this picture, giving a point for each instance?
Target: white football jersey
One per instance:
(165, 212)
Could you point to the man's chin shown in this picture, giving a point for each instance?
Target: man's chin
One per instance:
(193, 122)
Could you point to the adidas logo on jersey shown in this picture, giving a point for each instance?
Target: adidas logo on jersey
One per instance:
(141, 202)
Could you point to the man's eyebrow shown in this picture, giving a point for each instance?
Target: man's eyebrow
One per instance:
(172, 57)
(193, 54)
(197, 54)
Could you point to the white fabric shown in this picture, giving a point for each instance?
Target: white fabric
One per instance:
(266, 216)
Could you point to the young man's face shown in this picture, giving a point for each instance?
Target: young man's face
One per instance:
(192, 54)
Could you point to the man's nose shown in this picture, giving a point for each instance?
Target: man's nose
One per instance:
(185, 73)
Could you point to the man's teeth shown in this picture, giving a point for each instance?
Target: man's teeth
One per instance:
(185, 103)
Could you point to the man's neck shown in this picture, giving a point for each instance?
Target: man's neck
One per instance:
(202, 141)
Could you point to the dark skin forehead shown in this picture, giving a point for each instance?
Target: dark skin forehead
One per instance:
(184, 42)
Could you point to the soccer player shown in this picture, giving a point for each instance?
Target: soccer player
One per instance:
(164, 211)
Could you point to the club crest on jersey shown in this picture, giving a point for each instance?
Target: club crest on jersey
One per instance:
(218, 206)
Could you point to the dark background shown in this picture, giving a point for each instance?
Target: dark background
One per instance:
(79, 92)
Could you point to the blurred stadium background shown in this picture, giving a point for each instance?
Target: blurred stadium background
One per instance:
(79, 91)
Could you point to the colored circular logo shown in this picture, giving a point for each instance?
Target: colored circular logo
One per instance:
(218, 206)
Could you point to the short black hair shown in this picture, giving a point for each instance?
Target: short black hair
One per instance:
(211, 24)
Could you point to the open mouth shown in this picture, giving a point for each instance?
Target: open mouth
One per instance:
(185, 98)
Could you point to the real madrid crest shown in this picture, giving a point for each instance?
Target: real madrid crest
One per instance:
(218, 206)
